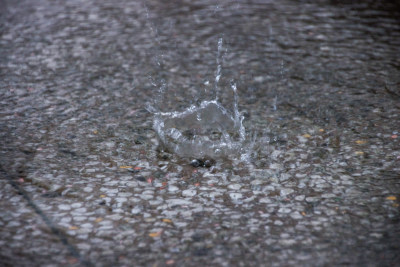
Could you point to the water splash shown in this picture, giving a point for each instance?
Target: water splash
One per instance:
(219, 68)
(207, 130)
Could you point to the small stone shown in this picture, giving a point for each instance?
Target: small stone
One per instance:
(234, 186)
(88, 189)
(87, 226)
(312, 199)
(19, 237)
(65, 219)
(146, 196)
(284, 210)
(136, 210)
(287, 242)
(284, 177)
(302, 139)
(265, 200)
(80, 210)
(180, 224)
(259, 79)
(121, 199)
(296, 215)
(76, 205)
(235, 196)
(286, 191)
(64, 207)
(172, 188)
(155, 202)
(13, 224)
(84, 246)
(124, 194)
(109, 144)
(177, 201)
(189, 193)
(257, 182)
(328, 195)
(376, 235)
(79, 218)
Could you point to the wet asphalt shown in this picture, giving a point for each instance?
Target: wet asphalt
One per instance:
(84, 181)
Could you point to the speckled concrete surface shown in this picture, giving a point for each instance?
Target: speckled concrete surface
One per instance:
(83, 181)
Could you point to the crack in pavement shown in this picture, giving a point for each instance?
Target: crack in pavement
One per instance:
(54, 229)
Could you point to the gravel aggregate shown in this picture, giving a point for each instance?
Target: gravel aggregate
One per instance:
(84, 181)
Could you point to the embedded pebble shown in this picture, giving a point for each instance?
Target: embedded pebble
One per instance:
(172, 188)
(284, 210)
(189, 193)
(234, 186)
(286, 191)
(296, 215)
(328, 195)
(257, 182)
(300, 197)
(235, 196)
(136, 210)
(265, 200)
(64, 207)
(76, 205)
(79, 218)
(146, 196)
(121, 199)
(88, 189)
(86, 225)
(312, 199)
(178, 201)
(13, 224)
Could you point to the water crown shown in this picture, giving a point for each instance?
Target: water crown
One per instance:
(204, 131)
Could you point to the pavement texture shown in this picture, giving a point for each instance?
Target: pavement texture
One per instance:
(83, 181)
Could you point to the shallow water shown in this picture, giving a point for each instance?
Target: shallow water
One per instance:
(317, 83)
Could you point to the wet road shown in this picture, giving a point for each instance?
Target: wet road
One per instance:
(82, 180)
